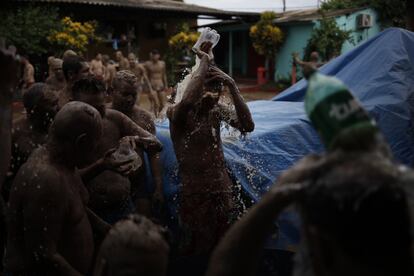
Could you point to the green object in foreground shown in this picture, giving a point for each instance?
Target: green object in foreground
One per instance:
(339, 118)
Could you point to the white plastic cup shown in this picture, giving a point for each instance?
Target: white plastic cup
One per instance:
(209, 35)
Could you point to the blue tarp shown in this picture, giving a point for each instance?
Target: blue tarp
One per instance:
(380, 74)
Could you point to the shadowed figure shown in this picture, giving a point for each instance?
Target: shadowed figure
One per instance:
(134, 246)
(49, 231)
(157, 74)
(74, 68)
(8, 83)
(356, 214)
(56, 80)
(115, 127)
(125, 93)
(206, 200)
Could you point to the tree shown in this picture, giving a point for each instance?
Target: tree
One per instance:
(180, 46)
(391, 12)
(327, 40)
(267, 38)
(73, 35)
(28, 28)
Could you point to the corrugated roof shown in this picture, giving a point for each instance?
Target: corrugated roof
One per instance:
(311, 14)
(162, 5)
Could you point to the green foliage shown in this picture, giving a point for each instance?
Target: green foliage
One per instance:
(391, 12)
(267, 38)
(28, 27)
(327, 39)
(179, 48)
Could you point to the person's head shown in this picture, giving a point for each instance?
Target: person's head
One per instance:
(24, 59)
(92, 91)
(69, 53)
(132, 58)
(105, 59)
(41, 105)
(118, 55)
(73, 134)
(125, 90)
(155, 55)
(134, 246)
(213, 89)
(74, 68)
(98, 57)
(56, 66)
(356, 219)
(314, 57)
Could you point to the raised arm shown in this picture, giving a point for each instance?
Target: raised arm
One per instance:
(194, 90)
(43, 218)
(164, 76)
(129, 128)
(8, 82)
(243, 120)
(239, 251)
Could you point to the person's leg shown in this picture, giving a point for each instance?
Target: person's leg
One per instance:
(154, 102)
(162, 99)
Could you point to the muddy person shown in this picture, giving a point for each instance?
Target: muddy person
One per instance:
(112, 198)
(97, 68)
(195, 132)
(56, 80)
(134, 246)
(123, 63)
(125, 91)
(28, 73)
(74, 68)
(157, 75)
(110, 70)
(30, 132)
(51, 234)
(344, 201)
(144, 84)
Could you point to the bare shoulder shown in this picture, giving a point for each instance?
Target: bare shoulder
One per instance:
(144, 119)
(20, 126)
(38, 179)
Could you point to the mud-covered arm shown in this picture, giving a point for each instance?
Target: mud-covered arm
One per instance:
(164, 76)
(239, 251)
(193, 92)
(44, 216)
(8, 82)
(142, 137)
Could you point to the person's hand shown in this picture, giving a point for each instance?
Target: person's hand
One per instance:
(8, 74)
(215, 74)
(149, 143)
(205, 51)
(110, 163)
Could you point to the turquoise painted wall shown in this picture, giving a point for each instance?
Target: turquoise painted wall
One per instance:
(298, 35)
(296, 39)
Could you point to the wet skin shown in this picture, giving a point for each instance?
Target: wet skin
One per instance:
(124, 101)
(157, 75)
(49, 229)
(195, 132)
(116, 126)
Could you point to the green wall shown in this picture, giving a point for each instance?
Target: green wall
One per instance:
(298, 35)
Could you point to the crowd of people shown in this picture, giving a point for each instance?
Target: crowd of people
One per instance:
(73, 180)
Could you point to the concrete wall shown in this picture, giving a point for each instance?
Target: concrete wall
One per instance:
(299, 34)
